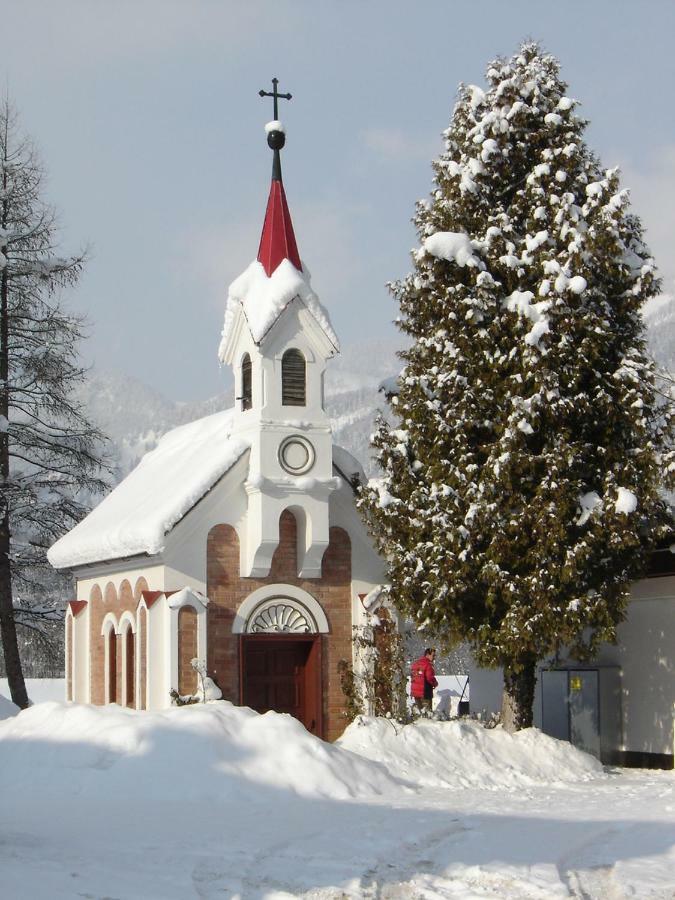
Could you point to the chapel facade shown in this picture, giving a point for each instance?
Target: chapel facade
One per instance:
(237, 541)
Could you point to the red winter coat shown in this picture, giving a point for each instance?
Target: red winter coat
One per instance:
(423, 678)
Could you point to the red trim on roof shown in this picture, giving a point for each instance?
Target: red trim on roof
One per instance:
(76, 606)
(151, 597)
(277, 241)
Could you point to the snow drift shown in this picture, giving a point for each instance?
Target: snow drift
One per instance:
(462, 754)
(198, 743)
(7, 708)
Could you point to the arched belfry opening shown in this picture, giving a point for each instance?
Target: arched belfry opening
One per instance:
(293, 379)
(246, 383)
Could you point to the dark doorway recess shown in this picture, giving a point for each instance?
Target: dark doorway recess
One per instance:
(283, 673)
(131, 669)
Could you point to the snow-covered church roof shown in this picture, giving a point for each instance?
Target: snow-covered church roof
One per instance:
(138, 514)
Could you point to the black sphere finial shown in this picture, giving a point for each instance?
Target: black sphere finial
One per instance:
(276, 140)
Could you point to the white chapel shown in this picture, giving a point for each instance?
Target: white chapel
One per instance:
(237, 540)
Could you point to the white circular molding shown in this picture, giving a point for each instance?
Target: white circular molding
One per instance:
(280, 595)
(296, 455)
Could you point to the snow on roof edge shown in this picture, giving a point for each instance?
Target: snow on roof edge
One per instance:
(263, 299)
(134, 519)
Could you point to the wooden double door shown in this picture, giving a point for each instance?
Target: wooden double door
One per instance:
(283, 673)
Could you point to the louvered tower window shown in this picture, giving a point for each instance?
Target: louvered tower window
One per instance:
(293, 378)
(246, 383)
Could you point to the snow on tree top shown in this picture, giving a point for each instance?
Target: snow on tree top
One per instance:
(164, 486)
(262, 300)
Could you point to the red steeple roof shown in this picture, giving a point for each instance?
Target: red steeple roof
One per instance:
(277, 240)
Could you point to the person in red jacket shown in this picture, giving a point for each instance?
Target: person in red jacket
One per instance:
(424, 680)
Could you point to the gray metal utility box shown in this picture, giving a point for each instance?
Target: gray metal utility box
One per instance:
(583, 706)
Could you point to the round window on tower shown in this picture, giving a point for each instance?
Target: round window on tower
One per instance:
(296, 455)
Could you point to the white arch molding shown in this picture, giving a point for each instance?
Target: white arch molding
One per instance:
(109, 627)
(109, 621)
(294, 599)
(127, 618)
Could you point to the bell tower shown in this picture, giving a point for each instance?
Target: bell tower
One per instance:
(278, 339)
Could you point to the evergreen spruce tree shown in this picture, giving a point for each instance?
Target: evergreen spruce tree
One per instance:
(522, 478)
(49, 451)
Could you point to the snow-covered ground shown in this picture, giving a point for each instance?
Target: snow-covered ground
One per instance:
(39, 689)
(217, 801)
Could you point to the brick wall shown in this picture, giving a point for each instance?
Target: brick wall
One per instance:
(187, 650)
(227, 590)
(101, 602)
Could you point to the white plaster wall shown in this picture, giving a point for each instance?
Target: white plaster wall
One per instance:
(159, 675)
(646, 653)
(185, 551)
(486, 688)
(81, 657)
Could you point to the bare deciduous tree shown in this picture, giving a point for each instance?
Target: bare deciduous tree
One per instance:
(50, 454)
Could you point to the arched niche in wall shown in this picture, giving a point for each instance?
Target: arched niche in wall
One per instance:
(109, 631)
(110, 594)
(127, 629)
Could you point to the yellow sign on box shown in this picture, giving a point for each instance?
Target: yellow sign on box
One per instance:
(575, 683)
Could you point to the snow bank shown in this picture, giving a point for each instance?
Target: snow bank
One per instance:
(168, 481)
(7, 708)
(218, 750)
(263, 299)
(464, 754)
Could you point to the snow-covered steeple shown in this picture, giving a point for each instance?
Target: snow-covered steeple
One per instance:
(278, 338)
(277, 241)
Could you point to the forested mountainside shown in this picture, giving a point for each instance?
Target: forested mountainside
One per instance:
(135, 416)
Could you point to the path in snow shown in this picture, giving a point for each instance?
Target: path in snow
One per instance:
(217, 801)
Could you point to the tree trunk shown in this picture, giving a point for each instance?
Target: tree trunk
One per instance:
(10, 646)
(518, 694)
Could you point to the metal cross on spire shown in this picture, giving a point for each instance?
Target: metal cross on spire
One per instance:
(275, 135)
(274, 93)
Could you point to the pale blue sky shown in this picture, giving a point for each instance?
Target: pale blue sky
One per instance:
(147, 116)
